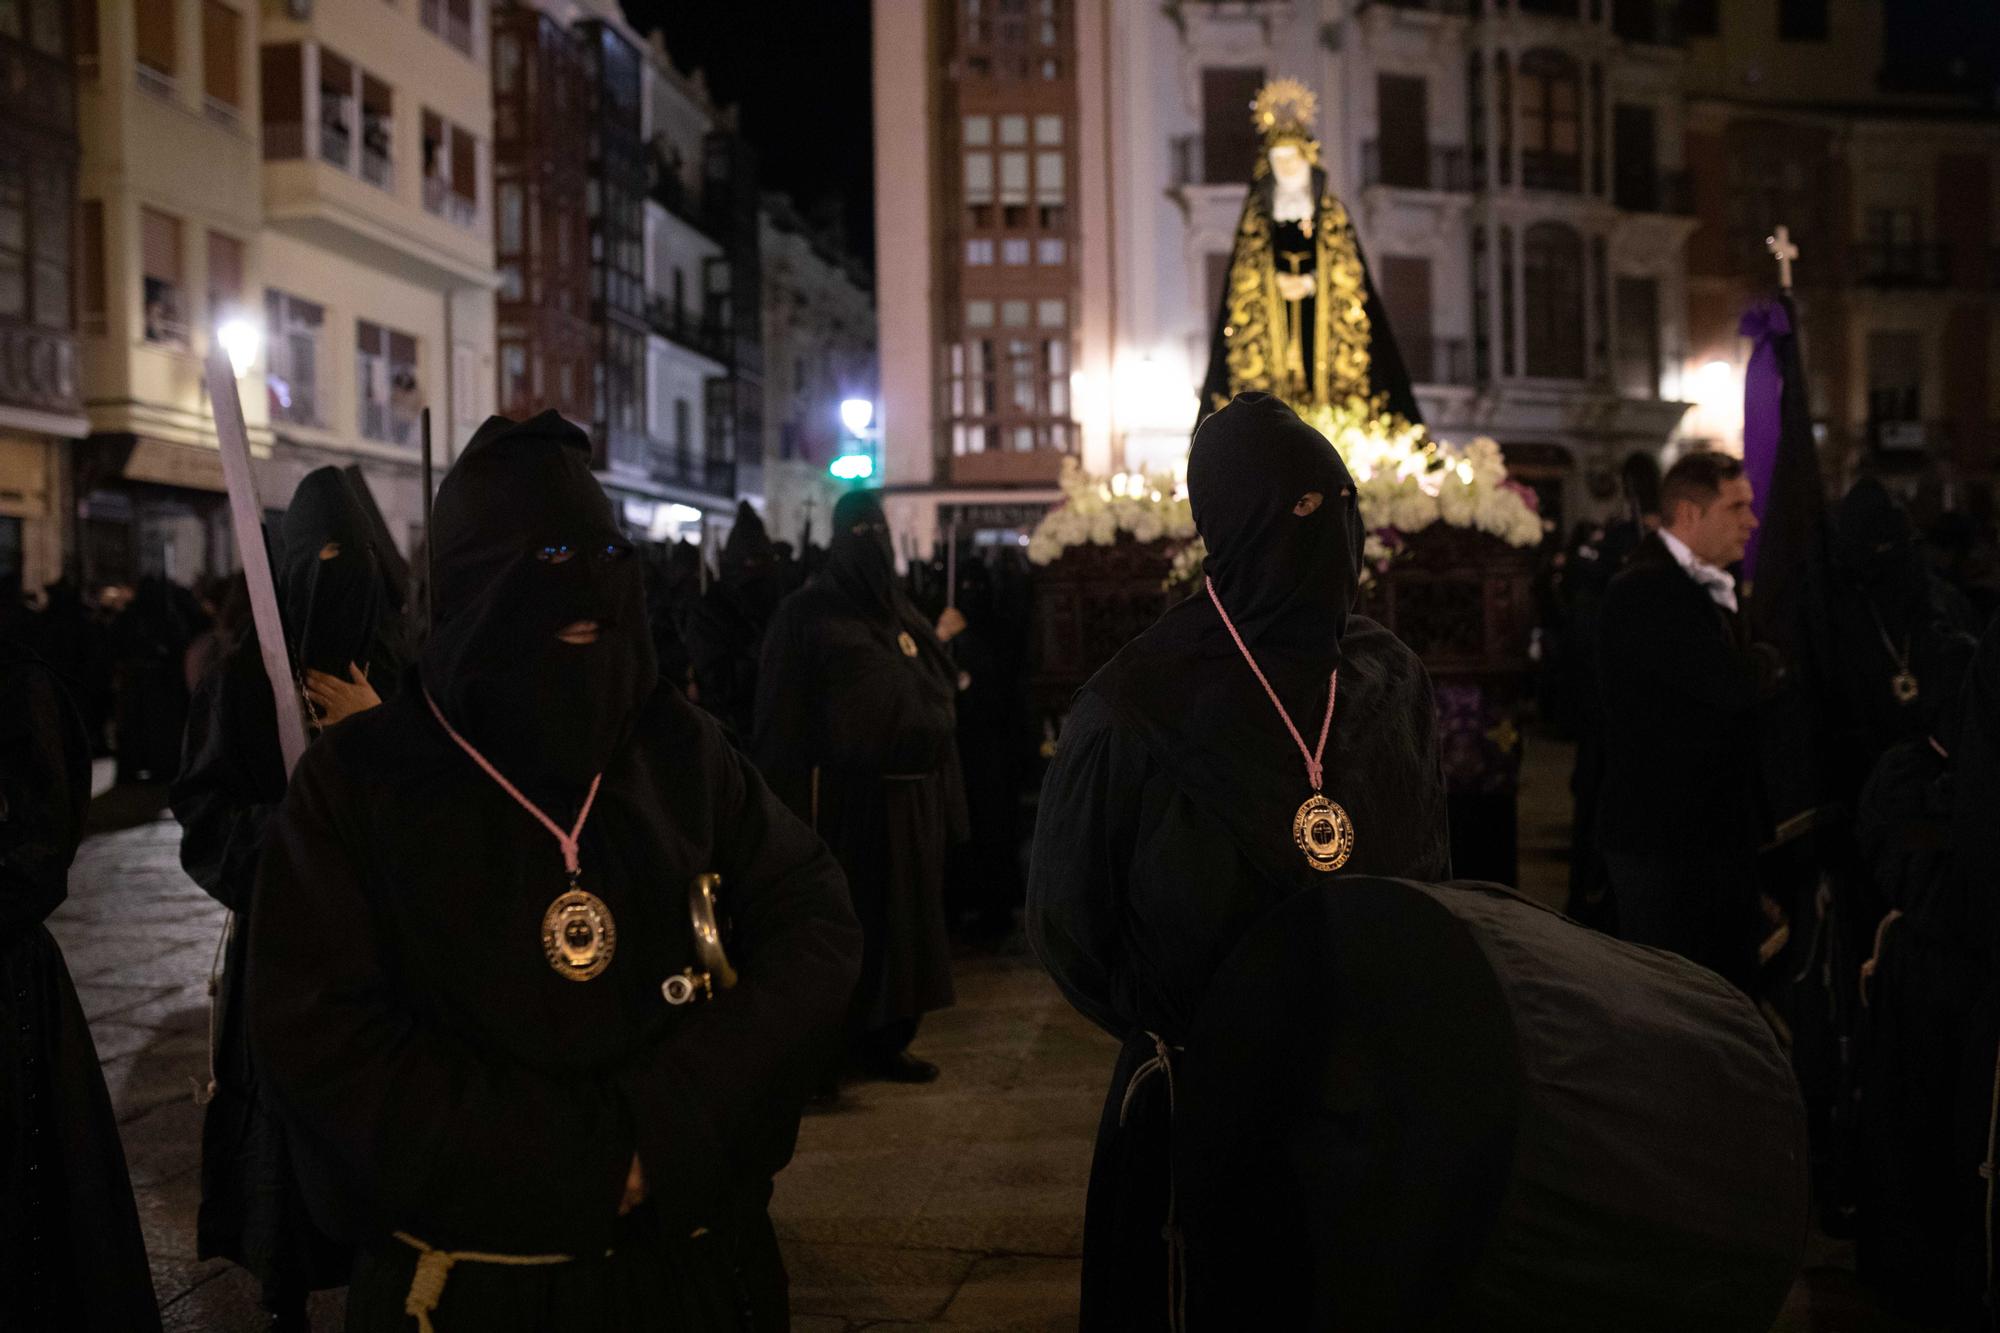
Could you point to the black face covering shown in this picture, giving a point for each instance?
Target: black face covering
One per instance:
(1877, 543)
(525, 545)
(1287, 581)
(861, 562)
(749, 564)
(330, 605)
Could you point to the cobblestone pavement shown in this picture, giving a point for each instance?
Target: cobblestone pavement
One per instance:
(957, 1205)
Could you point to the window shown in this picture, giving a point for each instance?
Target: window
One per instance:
(156, 48)
(378, 121)
(1402, 130)
(978, 252)
(683, 424)
(49, 236)
(385, 372)
(1895, 383)
(449, 19)
(1802, 20)
(1701, 18)
(1050, 251)
(1229, 140)
(1638, 337)
(221, 28)
(13, 240)
(225, 276)
(1551, 127)
(281, 74)
(451, 174)
(1405, 286)
(515, 398)
(86, 37)
(462, 199)
(336, 110)
(1014, 250)
(464, 385)
(1552, 296)
(1634, 146)
(93, 310)
(291, 360)
(160, 256)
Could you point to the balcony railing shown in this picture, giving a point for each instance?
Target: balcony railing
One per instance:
(712, 476)
(1902, 264)
(687, 328)
(1448, 169)
(1662, 192)
(1453, 8)
(1439, 361)
(1544, 170)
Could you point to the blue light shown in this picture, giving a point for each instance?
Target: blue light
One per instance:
(852, 467)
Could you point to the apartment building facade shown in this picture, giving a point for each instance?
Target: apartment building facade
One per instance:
(321, 174)
(1881, 156)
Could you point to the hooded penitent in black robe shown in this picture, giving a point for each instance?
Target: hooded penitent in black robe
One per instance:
(150, 697)
(724, 633)
(71, 1256)
(444, 1082)
(855, 732)
(1166, 820)
(232, 781)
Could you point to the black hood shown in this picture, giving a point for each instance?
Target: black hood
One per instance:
(331, 606)
(750, 565)
(861, 562)
(1876, 542)
(524, 544)
(1287, 582)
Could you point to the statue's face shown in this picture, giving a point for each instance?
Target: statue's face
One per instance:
(1289, 165)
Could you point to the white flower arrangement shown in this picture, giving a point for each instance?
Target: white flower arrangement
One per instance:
(1405, 481)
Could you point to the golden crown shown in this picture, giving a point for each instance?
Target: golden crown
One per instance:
(1286, 111)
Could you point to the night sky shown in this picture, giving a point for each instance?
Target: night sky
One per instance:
(799, 71)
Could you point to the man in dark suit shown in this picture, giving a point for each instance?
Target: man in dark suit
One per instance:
(1681, 813)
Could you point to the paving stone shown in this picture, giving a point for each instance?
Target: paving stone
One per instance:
(864, 1282)
(1013, 1293)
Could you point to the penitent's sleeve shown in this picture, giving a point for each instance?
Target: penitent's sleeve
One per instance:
(783, 744)
(1077, 878)
(230, 783)
(460, 1149)
(716, 1101)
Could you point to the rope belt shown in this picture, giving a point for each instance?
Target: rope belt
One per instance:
(434, 1270)
(1162, 1063)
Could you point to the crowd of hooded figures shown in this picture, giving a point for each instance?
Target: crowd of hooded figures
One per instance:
(479, 1056)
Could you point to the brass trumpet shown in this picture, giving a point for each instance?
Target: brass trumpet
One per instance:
(714, 970)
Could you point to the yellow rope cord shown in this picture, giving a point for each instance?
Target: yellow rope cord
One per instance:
(434, 1269)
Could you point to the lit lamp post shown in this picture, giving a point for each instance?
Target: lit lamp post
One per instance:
(856, 461)
(240, 340)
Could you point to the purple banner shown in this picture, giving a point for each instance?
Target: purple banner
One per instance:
(1763, 399)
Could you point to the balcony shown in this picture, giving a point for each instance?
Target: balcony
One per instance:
(686, 328)
(1439, 361)
(1449, 8)
(1901, 264)
(1670, 192)
(1544, 170)
(711, 476)
(1446, 169)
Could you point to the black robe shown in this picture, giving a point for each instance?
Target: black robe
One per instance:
(446, 1082)
(71, 1253)
(858, 738)
(1166, 824)
(724, 638)
(232, 779)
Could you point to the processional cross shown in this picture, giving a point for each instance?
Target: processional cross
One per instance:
(1784, 250)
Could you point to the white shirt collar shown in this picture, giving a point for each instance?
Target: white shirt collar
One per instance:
(1717, 583)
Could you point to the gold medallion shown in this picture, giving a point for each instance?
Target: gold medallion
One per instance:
(578, 935)
(1904, 686)
(1324, 833)
(906, 643)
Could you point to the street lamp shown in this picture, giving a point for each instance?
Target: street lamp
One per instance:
(240, 339)
(857, 414)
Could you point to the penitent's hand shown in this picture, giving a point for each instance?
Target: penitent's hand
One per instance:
(635, 1187)
(1295, 286)
(335, 700)
(950, 625)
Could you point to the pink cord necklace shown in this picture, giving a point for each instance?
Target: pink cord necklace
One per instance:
(1321, 828)
(578, 935)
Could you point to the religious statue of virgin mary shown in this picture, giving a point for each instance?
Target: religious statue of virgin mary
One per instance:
(1299, 316)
